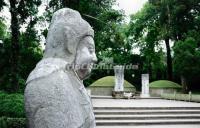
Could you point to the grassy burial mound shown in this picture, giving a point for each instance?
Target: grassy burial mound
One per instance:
(105, 86)
(157, 88)
(164, 84)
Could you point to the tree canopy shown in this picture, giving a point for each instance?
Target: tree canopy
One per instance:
(175, 21)
(165, 31)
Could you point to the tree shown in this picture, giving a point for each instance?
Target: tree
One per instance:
(2, 38)
(171, 19)
(164, 11)
(157, 16)
(20, 11)
(144, 32)
(2, 29)
(15, 44)
(98, 13)
(187, 60)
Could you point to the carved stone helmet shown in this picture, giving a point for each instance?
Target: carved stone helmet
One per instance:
(66, 30)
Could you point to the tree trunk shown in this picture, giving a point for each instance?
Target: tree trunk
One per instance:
(15, 45)
(169, 60)
(184, 84)
(150, 71)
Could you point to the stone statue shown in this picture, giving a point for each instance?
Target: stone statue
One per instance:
(55, 96)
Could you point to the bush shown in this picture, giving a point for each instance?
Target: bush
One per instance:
(12, 105)
(12, 122)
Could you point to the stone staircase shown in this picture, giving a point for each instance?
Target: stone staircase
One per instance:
(146, 116)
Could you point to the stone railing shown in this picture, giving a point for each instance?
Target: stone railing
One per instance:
(183, 97)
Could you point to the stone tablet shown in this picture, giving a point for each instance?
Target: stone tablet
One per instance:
(119, 78)
(145, 86)
(55, 96)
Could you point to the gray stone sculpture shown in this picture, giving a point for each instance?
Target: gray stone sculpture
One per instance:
(55, 96)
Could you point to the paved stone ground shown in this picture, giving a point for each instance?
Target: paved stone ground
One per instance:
(141, 103)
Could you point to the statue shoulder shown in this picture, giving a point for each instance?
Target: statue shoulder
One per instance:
(46, 67)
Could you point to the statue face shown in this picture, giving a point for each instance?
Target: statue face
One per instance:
(85, 57)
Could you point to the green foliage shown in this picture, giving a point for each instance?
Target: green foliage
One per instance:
(164, 84)
(30, 52)
(12, 111)
(2, 29)
(158, 21)
(6, 122)
(187, 58)
(102, 18)
(27, 9)
(20, 51)
(144, 33)
(12, 105)
(187, 61)
(163, 20)
(176, 17)
(142, 22)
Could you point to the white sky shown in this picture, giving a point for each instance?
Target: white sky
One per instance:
(129, 6)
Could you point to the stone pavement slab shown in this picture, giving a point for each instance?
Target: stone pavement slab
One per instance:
(141, 103)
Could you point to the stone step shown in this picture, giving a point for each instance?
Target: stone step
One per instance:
(144, 112)
(145, 122)
(135, 97)
(147, 117)
(155, 126)
(146, 108)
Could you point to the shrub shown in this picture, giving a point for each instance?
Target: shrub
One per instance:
(12, 105)
(6, 122)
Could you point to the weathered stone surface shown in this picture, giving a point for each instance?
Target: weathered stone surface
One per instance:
(145, 85)
(119, 78)
(55, 96)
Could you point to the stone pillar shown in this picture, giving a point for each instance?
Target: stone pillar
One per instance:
(145, 86)
(119, 78)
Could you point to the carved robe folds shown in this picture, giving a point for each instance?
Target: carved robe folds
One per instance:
(56, 97)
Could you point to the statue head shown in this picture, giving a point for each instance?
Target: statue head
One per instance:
(71, 38)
